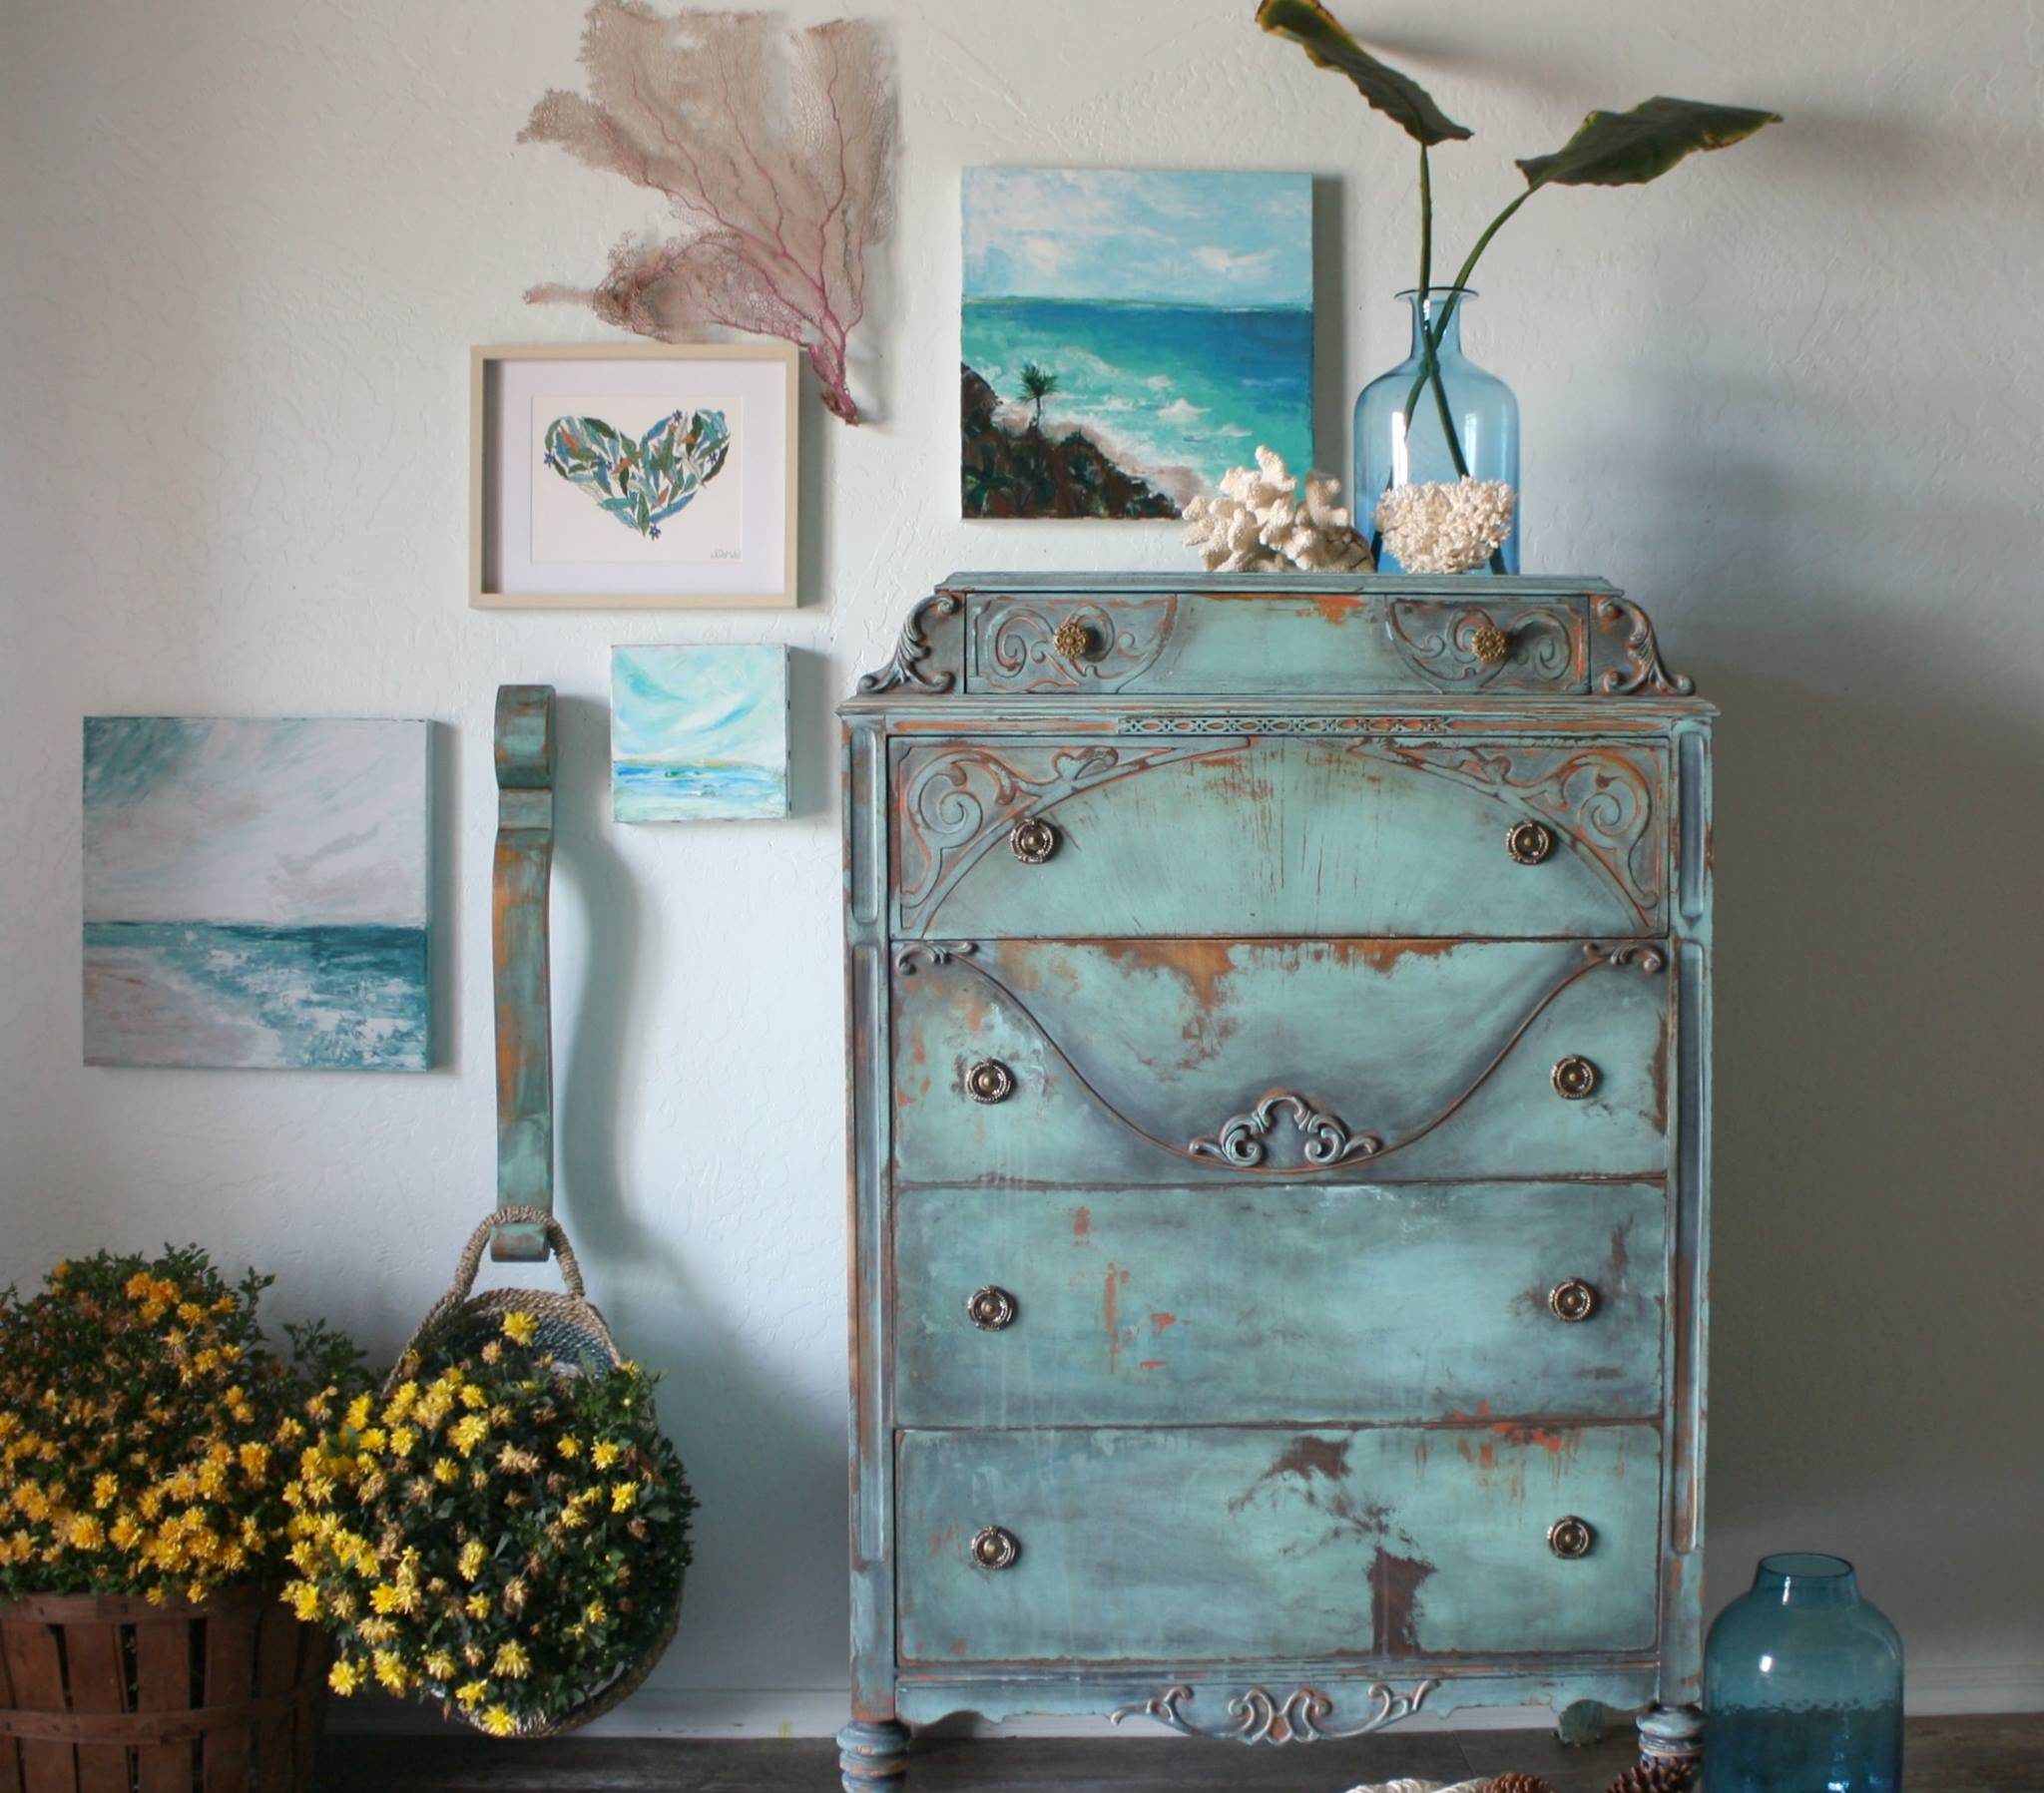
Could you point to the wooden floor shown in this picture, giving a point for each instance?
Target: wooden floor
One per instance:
(1946, 1755)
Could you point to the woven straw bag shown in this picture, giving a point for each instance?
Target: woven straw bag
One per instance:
(574, 1331)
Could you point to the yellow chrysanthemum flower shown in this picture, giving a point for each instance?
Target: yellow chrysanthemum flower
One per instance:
(623, 1496)
(570, 1447)
(512, 1661)
(446, 1469)
(498, 1722)
(439, 1664)
(469, 1432)
(472, 1693)
(475, 1555)
(604, 1455)
(594, 1613)
(344, 1676)
(478, 1605)
(520, 1328)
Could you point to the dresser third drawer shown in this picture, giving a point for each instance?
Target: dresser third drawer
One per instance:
(1276, 1303)
(1197, 1546)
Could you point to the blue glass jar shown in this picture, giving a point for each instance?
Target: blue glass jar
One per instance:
(1803, 1686)
(1485, 414)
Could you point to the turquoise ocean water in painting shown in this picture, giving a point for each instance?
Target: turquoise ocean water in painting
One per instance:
(660, 791)
(1159, 386)
(327, 998)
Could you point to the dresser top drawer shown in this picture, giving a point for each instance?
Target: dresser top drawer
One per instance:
(1248, 836)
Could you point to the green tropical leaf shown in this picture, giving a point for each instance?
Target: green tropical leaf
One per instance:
(1624, 149)
(1400, 99)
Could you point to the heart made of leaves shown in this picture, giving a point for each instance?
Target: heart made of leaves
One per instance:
(640, 481)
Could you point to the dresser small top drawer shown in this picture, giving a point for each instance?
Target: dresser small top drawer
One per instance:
(1258, 1543)
(1249, 835)
(1278, 1303)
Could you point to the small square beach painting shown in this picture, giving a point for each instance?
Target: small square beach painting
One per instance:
(1130, 336)
(699, 735)
(256, 893)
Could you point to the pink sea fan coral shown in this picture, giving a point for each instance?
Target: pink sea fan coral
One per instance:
(776, 149)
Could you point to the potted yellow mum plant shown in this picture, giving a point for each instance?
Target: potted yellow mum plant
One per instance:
(147, 1435)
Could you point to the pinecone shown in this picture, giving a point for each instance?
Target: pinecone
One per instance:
(1518, 1783)
(1655, 1777)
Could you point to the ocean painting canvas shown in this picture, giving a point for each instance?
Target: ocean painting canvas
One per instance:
(1130, 336)
(256, 893)
(699, 735)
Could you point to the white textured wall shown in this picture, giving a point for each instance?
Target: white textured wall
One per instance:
(1791, 398)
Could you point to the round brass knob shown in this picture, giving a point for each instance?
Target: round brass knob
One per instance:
(1574, 1077)
(1493, 646)
(1572, 1300)
(1570, 1537)
(991, 1309)
(1074, 639)
(1529, 842)
(989, 1081)
(995, 1547)
(1032, 840)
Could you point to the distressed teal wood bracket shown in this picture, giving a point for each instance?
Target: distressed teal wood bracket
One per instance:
(525, 753)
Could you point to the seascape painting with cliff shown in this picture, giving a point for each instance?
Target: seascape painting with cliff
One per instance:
(1129, 336)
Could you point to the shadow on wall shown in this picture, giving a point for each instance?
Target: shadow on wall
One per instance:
(1877, 1221)
(770, 1528)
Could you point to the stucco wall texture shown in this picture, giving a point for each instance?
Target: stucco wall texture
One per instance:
(1791, 398)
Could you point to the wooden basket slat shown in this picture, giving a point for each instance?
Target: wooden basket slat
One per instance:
(36, 1674)
(276, 1671)
(229, 1678)
(163, 1683)
(99, 1683)
(10, 1752)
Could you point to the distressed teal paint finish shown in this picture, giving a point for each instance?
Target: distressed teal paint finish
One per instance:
(1201, 1544)
(1126, 1054)
(1277, 1303)
(1245, 1090)
(1274, 836)
(521, 876)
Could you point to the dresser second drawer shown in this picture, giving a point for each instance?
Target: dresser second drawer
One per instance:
(1277, 1303)
(1216, 1545)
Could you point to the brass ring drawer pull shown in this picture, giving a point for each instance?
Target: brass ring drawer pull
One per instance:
(1572, 1300)
(1569, 1537)
(995, 1547)
(991, 1309)
(989, 1081)
(1574, 1077)
(1529, 842)
(1033, 840)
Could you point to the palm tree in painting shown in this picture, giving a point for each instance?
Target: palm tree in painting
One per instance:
(1038, 383)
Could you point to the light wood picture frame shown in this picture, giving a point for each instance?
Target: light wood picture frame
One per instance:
(633, 476)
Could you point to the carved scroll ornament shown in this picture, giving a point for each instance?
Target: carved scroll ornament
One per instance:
(1443, 643)
(1072, 645)
(1303, 1717)
(906, 668)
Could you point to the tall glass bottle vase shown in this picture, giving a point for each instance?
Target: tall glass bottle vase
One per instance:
(1803, 1686)
(1483, 410)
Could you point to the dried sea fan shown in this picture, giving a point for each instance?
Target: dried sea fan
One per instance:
(1266, 520)
(774, 149)
(1655, 1777)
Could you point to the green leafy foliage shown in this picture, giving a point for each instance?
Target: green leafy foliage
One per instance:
(495, 1534)
(1626, 148)
(1400, 99)
(147, 1430)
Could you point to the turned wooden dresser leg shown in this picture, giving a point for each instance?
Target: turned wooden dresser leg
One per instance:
(1672, 1734)
(872, 1756)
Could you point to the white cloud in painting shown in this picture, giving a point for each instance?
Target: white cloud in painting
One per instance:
(1166, 237)
(1182, 410)
(293, 823)
(721, 705)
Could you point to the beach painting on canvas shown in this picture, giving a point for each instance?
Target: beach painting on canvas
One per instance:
(699, 735)
(1129, 336)
(256, 893)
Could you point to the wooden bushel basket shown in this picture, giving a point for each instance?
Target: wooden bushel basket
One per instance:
(116, 1695)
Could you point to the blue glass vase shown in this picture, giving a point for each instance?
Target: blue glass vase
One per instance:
(1485, 414)
(1803, 1686)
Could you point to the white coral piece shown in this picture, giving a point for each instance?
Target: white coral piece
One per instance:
(1446, 527)
(1266, 520)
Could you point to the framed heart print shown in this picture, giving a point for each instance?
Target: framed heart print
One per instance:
(629, 476)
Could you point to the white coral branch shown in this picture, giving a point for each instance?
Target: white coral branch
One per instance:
(1266, 520)
(1446, 527)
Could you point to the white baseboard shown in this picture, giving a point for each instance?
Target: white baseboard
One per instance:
(817, 1712)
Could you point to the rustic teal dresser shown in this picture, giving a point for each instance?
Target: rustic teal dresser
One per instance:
(1279, 1126)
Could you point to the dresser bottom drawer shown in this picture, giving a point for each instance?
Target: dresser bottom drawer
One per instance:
(1214, 1544)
